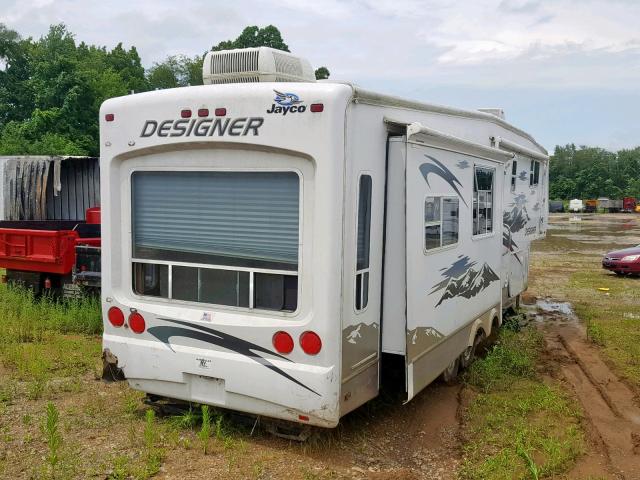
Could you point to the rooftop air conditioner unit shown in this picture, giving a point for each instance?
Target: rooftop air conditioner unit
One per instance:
(262, 64)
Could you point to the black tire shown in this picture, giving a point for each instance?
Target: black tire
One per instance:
(495, 330)
(470, 353)
(450, 374)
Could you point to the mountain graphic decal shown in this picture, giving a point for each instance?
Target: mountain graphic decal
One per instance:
(513, 221)
(518, 217)
(464, 279)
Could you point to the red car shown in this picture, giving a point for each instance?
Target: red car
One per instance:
(623, 261)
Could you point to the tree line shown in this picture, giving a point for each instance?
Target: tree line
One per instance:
(51, 90)
(590, 172)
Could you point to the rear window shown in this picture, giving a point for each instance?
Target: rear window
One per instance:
(227, 238)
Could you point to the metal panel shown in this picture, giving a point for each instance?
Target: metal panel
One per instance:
(79, 184)
(48, 188)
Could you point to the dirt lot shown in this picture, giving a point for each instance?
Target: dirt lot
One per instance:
(591, 325)
(547, 402)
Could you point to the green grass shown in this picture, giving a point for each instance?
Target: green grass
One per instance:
(205, 430)
(513, 358)
(53, 437)
(517, 427)
(26, 319)
(613, 320)
(41, 338)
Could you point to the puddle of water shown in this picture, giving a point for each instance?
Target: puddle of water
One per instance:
(601, 232)
(547, 310)
(549, 306)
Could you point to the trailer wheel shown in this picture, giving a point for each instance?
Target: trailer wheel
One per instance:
(495, 331)
(470, 353)
(450, 374)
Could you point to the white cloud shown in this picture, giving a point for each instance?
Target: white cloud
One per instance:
(494, 30)
(407, 47)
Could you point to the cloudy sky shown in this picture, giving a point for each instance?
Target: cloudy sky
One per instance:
(564, 70)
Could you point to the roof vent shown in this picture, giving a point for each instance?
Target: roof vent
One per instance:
(260, 64)
(496, 112)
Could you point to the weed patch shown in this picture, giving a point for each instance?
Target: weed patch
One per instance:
(205, 430)
(41, 338)
(513, 357)
(53, 437)
(517, 427)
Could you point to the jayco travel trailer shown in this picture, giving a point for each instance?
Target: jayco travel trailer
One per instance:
(271, 242)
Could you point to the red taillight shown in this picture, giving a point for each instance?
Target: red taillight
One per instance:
(203, 112)
(303, 418)
(109, 117)
(136, 323)
(186, 113)
(116, 317)
(221, 112)
(282, 342)
(310, 343)
(317, 107)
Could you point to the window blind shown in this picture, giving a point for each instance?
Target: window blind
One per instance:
(225, 217)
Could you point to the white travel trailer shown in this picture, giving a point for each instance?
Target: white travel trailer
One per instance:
(268, 247)
(576, 205)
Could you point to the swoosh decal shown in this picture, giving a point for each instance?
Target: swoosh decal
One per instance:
(439, 169)
(215, 337)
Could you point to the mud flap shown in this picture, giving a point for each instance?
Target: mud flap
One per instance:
(110, 370)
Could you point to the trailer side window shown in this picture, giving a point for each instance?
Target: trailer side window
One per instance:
(225, 238)
(534, 173)
(482, 200)
(440, 222)
(363, 236)
(514, 174)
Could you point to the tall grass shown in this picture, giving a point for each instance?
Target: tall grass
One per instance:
(41, 335)
(53, 437)
(205, 431)
(24, 318)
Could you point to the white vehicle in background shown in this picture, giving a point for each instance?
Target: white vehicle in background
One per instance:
(269, 246)
(576, 205)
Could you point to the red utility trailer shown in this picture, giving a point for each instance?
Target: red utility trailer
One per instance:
(41, 254)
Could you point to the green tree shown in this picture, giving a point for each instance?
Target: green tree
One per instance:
(176, 71)
(16, 95)
(322, 73)
(591, 172)
(129, 67)
(51, 90)
(254, 36)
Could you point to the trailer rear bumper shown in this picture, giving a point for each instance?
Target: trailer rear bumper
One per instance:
(269, 387)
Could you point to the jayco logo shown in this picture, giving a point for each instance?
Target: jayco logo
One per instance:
(286, 103)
